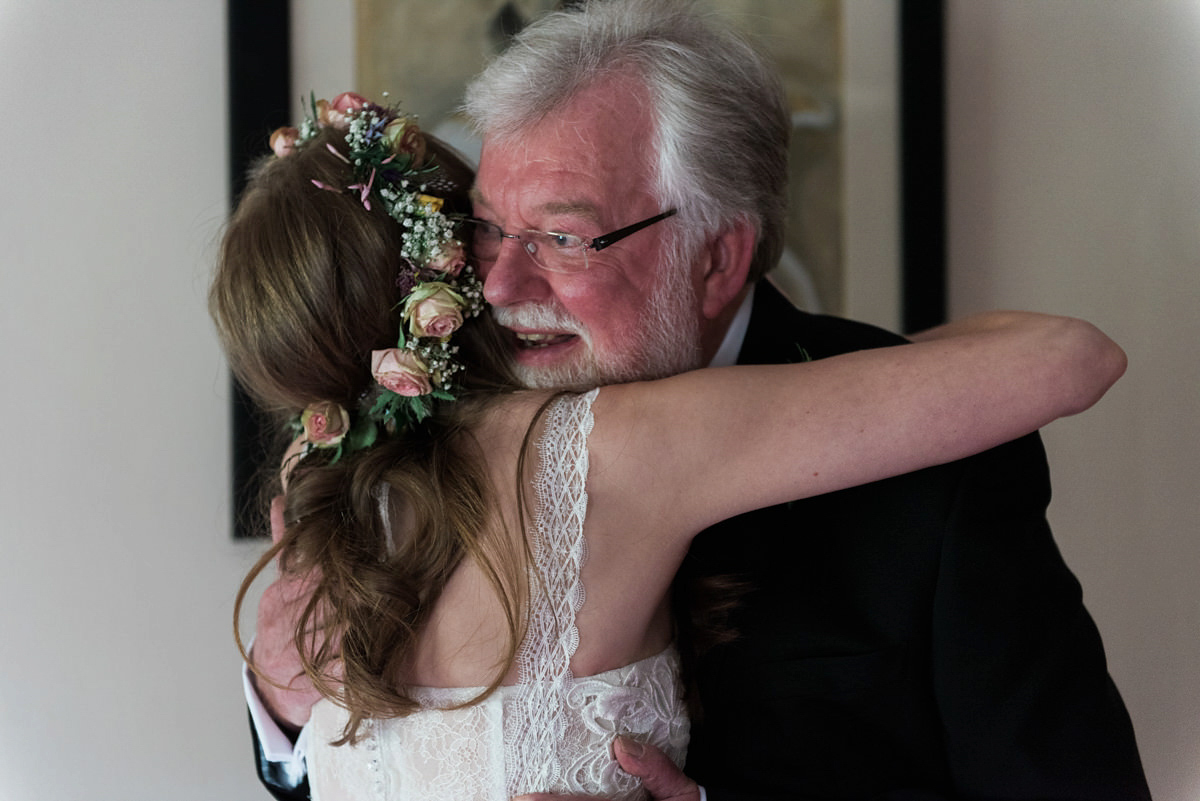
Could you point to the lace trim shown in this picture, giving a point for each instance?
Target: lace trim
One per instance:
(552, 732)
(537, 726)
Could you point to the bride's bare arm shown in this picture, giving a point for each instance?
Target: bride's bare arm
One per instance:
(704, 446)
(984, 322)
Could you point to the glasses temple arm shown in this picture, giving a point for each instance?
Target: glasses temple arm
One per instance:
(601, 242)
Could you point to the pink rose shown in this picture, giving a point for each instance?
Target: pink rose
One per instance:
(433, 309)
(337, 113)
(283, 141)
(400, 371)
(349, 101)
(325, 423)
(448, 258)
(405, 138)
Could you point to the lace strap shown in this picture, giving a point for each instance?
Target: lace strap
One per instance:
(535, 726)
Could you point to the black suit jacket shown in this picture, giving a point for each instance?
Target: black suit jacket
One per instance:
(915, 638)
(918, 638)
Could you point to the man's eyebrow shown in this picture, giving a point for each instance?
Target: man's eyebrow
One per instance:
(574, 208)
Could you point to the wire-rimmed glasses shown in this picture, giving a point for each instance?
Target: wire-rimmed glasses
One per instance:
(551, 250)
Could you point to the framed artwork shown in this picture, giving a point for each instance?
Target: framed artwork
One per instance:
(425, 53)
(864, 82)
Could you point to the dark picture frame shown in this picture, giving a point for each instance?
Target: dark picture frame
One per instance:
(260, 100)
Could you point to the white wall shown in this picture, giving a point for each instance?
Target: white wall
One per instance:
(1074, 162)
(323, 47)
(1075, 186)
(871, 166)
(118, 678)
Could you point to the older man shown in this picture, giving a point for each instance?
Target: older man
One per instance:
(915, 638)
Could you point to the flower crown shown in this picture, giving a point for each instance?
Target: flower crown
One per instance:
(438, 289)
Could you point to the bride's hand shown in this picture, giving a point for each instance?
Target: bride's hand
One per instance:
(658, 773)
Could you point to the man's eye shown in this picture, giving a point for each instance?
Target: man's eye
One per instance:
(561, 240)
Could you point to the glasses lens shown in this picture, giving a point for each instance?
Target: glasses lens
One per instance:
(554, 251)
(557, 252)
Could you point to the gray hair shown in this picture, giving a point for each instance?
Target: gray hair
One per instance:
(721, 133)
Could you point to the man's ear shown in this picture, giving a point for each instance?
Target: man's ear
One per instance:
(729, 255)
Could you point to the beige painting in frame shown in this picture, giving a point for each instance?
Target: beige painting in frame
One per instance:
(425, 53)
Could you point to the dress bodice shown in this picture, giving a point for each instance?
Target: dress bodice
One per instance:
(549, 732)
(461, 754)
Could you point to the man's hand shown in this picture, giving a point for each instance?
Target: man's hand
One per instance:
(658, 773)
(274, 650)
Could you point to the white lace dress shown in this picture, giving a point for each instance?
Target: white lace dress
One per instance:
(550, 732)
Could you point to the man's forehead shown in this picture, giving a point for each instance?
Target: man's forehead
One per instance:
(565, 183)
(570, 205)
(576, 181)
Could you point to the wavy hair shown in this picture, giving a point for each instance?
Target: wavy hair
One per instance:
(304, 290)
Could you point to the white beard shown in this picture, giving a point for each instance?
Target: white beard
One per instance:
(667, 343)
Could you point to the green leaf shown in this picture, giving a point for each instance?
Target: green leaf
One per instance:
(367, 438)
(380, 403)
(420, 409)
(401, 162)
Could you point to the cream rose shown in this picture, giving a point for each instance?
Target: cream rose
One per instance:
(433, 309)
(325, 423)
(400, 371)
(449, 258)
(405, 138)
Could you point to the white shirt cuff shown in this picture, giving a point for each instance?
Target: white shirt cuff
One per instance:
(277, 747)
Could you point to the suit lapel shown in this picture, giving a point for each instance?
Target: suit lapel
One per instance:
(777, 329)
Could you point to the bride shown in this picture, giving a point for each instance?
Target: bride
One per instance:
(489, 566)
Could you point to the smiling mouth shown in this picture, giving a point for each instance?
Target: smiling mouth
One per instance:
(537, 341)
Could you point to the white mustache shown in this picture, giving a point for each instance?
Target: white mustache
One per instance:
(537, 317)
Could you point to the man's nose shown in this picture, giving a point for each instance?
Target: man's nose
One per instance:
(513, 277)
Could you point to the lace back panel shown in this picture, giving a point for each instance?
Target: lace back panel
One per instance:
(535, 731)
(550, 732)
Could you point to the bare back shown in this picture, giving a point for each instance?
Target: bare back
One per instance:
(668, 458)
(624, 618)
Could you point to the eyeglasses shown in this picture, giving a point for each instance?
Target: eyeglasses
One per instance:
(550, 250)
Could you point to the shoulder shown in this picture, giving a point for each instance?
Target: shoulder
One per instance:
(778, 331)
(505, 425)
(501, 425)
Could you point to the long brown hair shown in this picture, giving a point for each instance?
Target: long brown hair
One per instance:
(304, 290)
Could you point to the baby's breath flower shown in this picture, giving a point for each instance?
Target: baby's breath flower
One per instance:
(390, 173)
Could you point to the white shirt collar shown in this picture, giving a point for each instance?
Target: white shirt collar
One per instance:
(731, 345)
